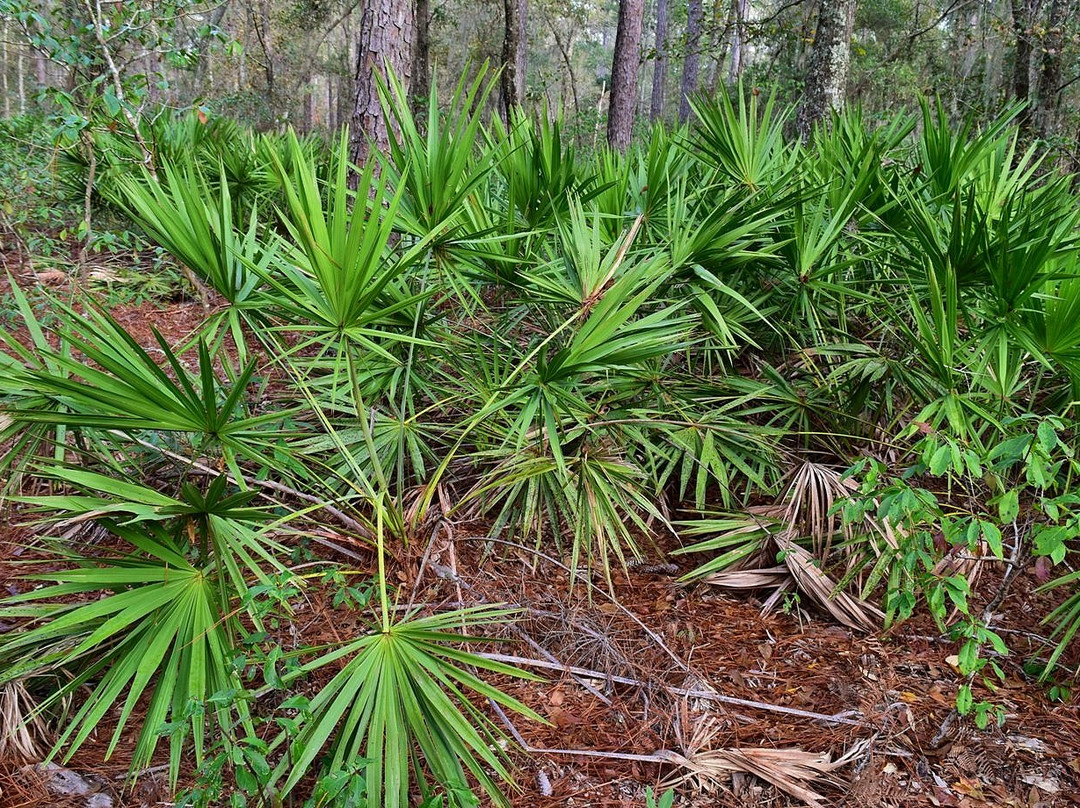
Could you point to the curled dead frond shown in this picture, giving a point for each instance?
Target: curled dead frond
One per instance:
(809, 501)
(813, 582)
(793, 771)
(805, 516)
(23, 733)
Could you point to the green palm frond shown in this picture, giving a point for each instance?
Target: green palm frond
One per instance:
(144, 625)
(405, 691)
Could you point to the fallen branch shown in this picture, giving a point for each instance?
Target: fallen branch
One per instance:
(573, 670)
(785, 769)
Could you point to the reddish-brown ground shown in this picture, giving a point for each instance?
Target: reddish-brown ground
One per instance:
(898, 688)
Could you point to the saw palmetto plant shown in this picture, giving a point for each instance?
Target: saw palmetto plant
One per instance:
(598, 355)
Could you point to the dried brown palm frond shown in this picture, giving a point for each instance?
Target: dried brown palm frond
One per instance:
(761, 578)
(809, 511)
(805, 514)
(792, 770)
(816, 584)
(809, 500)
(23, 733)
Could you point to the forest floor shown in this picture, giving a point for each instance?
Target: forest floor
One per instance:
(662, 666)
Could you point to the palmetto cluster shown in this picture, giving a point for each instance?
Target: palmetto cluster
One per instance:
(588, 352)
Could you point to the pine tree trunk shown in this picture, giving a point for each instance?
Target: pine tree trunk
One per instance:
(624, 73)
(830, 57)
(1023, 13)
(386, 42)
(421, 70)
(659, 78)
(1048, 99)
(692, 60)
(513, 78)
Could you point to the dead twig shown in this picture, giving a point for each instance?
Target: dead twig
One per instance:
(838, 718)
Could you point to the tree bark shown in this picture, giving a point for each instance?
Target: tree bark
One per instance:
(266, 37)
(421, 83)
(738, 40)
(659, 78)
(830, 58)
(41, 71)
(1047, 96)
(568, 69)
(217, 16)
(692, 60)
(624, 73)
(1023, 14)
(386, 42)
(718, 43)
(515, 15)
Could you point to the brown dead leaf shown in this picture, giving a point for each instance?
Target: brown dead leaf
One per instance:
(968, 787)
(562, 719)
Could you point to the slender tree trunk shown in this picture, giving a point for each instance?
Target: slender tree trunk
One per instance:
(693, 59)
(624, 73)
(993, 47)
(1023, 14)
(515, 17)
(386, 42)
(659, 78)
(41, 71)
(970, 23)
(421, 70)
(331, 102)
(265, 37)
(217, 16)
(1048, 99)
(568, 71)
(21, 73)
(738, 40)
(309, 106)
(4, 69)
(718, 43)
(830, 57)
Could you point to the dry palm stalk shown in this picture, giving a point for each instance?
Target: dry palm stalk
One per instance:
(789, 770)
(708, 694)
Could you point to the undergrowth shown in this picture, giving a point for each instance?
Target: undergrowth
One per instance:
(854, 361)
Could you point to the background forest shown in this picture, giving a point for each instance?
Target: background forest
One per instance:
(415, 404)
